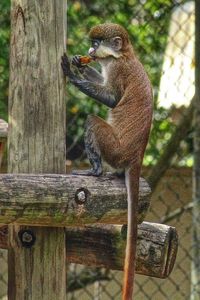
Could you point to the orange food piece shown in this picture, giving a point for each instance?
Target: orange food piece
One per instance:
(85, 59)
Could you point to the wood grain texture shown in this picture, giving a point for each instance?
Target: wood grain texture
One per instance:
(52, 200)
(38, 272)
(37, 114)
(36, 139)
(104, 246)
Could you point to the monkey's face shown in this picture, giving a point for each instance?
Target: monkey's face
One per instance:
(101, 49)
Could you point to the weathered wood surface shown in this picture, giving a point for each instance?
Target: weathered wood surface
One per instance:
(36, 139)
(42, 265)
(104, 246)
(62, 200)
(37, 103)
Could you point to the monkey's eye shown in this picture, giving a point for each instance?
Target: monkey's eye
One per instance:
(95, 43)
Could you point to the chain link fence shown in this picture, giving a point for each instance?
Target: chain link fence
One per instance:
(169, 168)
(168, 161)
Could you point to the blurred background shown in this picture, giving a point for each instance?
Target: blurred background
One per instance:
(163, 35)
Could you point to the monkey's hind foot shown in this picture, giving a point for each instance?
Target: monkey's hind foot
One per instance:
(90, 172)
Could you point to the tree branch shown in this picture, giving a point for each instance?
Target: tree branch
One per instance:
(165, 159)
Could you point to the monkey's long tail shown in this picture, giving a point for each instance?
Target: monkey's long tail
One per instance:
(132, 184)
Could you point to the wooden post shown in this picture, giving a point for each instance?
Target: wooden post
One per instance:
(36, 141)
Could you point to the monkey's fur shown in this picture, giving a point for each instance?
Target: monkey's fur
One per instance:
(121, 141)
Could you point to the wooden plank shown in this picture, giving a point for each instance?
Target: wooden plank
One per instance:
(36, 140)
(61, 200)
(104, 246)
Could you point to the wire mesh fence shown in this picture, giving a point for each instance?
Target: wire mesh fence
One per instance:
(172, 190)
(169, 28)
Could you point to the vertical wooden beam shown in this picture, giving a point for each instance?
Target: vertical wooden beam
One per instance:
(36, 140)
(195, 270)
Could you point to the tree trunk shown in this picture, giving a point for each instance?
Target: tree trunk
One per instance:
(173, 144)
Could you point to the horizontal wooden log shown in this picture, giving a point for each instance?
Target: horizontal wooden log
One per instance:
(63, 200)
(104, 246)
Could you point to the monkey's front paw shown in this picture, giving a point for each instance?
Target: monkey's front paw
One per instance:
(65, 64)
(76, 61)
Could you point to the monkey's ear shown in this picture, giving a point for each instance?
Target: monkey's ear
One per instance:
(116, 43)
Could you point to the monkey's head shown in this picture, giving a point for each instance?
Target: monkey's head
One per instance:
(108, 40)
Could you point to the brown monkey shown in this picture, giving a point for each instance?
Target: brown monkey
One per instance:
(125, 88)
